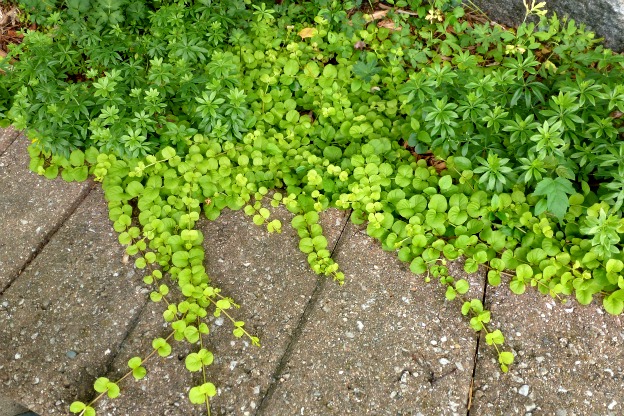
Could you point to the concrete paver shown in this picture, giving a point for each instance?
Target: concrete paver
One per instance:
(9, 408)
(67, 312)
(164, 390)
(569, 359)
(271, 280)
(31, 209)
(7, 136)
(385, 343)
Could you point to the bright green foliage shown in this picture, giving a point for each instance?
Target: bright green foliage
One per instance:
(104, 385)
(200, 394)
(138, 371)
(82, 408)
(185, 109)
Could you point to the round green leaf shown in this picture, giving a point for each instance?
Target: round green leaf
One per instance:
(445, 183)
(291, 68)
(438, 203)
(462, 286)
(77, 407)
(614, 303)
(193, 362)
(524, 272)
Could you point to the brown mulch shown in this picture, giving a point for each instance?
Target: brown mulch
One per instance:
(10, 28)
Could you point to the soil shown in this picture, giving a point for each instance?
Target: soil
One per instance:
(10, 27)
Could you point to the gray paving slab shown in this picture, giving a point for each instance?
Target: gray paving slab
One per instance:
(31, 209)
(66, 314)
(164, 390)
(271, 280)
(569, 359)
(10, 408)
(7, 136)
(385, 343)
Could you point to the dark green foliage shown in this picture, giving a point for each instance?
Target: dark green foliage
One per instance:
(189, 107)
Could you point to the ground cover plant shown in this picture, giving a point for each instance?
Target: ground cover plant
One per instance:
(447, 135)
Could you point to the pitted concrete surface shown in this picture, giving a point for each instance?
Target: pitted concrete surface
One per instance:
(385, 343)
(569, 359)
(10, 408)
(31, 209)
(7, 136)
(271, 280)
(67, 313)
(164, 390)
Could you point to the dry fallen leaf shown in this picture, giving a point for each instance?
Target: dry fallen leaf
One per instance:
(308, 32)
(379, 14)
(389, 24)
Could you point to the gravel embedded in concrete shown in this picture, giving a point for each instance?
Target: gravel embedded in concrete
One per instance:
(31, 209)
(76, 296)
(271, 280)
(10, 408)
(569, 359)
(7, 136)
(385, 343)
(164, 390)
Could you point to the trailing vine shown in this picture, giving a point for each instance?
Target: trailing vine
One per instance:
(449, 138)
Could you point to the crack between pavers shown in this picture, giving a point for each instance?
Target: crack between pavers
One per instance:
(109, 364)
(48, 237)
(16, 134)
(303, 320)
(129, 329)
(471, 391)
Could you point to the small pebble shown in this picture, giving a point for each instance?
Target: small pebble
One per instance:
(444, 361)
(404, 376)
(71, 354)
(524, 390)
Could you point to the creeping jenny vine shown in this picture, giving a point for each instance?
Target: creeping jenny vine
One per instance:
(448, 136)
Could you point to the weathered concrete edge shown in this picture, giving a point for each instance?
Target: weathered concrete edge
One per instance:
(5, 142)
(84, 193)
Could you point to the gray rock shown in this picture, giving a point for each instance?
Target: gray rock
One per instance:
(605, 17)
